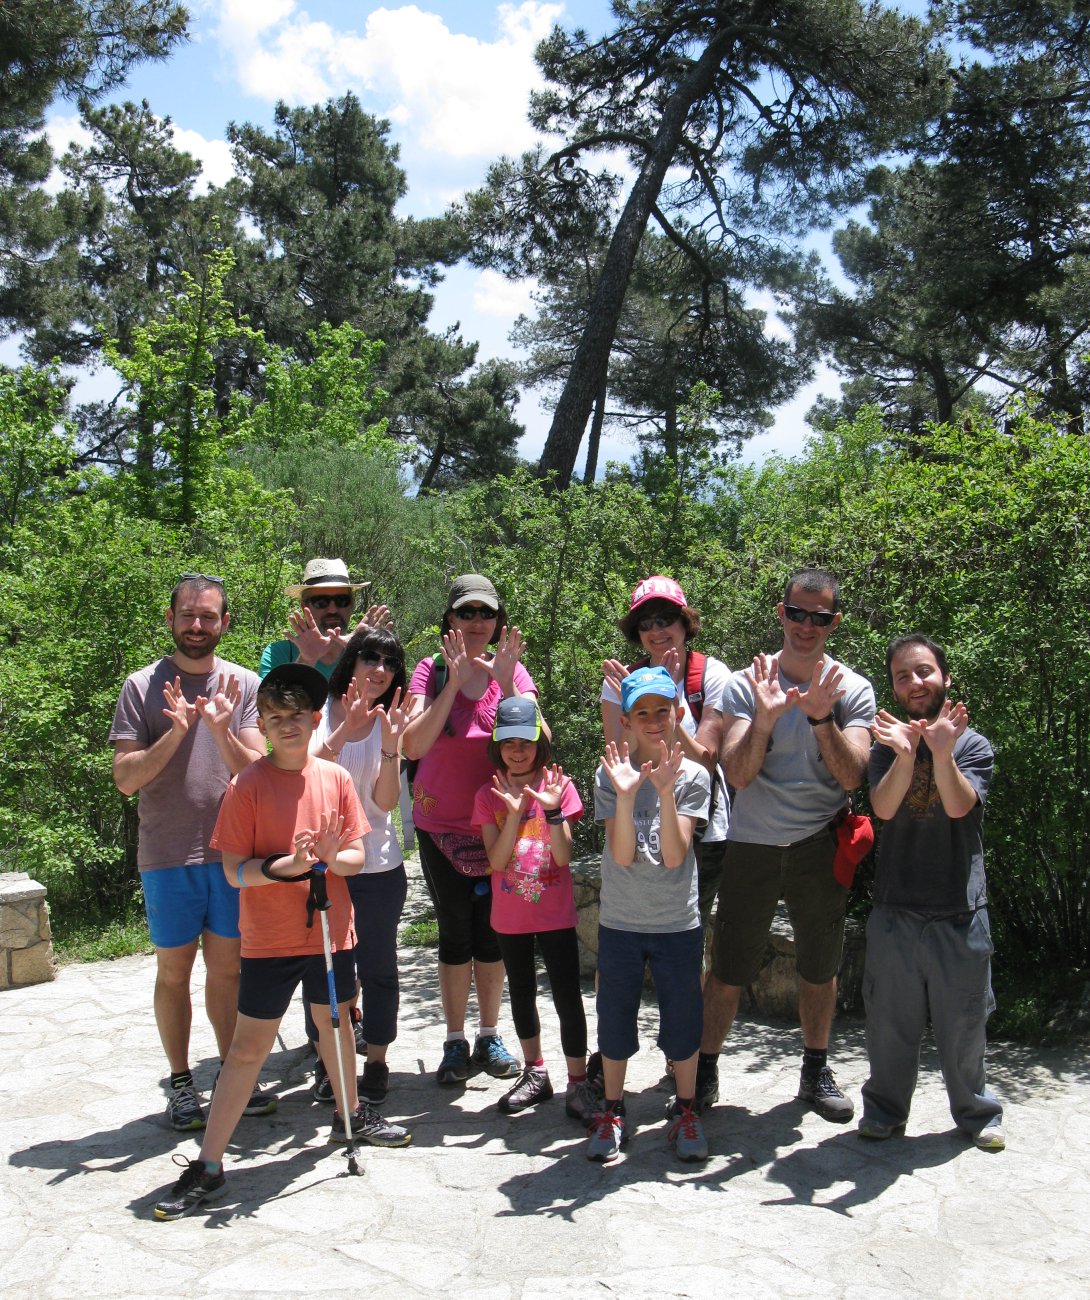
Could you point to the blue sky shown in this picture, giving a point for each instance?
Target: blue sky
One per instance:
(453, 78)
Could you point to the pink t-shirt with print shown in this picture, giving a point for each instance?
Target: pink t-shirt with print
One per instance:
(457, 765)
(534, 893)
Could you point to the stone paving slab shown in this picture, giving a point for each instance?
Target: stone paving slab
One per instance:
(508, 1207)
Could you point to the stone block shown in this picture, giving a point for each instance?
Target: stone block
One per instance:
(32, 965)
(45, 928)
(17, 887)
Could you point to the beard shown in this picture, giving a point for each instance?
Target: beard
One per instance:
(193, 646)
(933, 709)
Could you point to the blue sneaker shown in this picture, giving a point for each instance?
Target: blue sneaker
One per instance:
(454, 1067)
(607, 1134)
(490, 1055)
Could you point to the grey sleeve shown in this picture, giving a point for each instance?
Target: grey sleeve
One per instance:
(605, 797)
(975, 760)
(692, 794)
(737, 699)
(858, 707)
(130, 722)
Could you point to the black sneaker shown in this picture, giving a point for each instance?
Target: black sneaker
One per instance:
(374, 1083)
(490, 1055)
(357, 1032)
(322, 1088)
(825, 1097)
(707, 1083)
(533, 1086)
(195, 1186)
(454, 1067)
(369, 1126)
(184, 1110)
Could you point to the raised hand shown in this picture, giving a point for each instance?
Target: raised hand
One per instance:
(771, 701)
(614, 672)
(218, 711)
(515, 798)
(671, 661)
(459, 665)
(181, 713)
(664, 773)
(308, 638)
(359, 716)
(626, 778)
(502, 665)
(394, 719)
(552, 788)
(823, 691)
(376, 616)
(943, 732)
(330, 837)
(901, 737)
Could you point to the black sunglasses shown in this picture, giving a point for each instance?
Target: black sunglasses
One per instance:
(467, 613)
(323, 602)
(371, 659)
(203, 577)
(657, 620)
(817, 617)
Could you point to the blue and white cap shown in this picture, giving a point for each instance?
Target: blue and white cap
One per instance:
(646, 681)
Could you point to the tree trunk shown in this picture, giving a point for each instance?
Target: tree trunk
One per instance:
(595, 439)
(592, 355)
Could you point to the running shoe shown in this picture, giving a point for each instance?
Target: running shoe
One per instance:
(322, 1088)
(374, 1083)
(686, 1133)
(582, 1101)
(184, 1110)
(607, 1133)
(454, 1067)
(195, 1186)
(532, 1086)
(825, 1097)
(991, 1138)
(369, 1126)
(707, 1082)
(490, 1055)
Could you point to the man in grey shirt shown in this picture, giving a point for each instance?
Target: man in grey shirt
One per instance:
(183, 727)
(795, 742)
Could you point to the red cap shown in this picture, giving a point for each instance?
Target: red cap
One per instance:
(658, 588)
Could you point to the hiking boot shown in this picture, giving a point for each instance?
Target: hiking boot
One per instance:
(608, 1132)
(357, 1032)
(261, 1102)
(875, 1131)
(184, 1110)
(707, 1083)
(454, 1067)
(374, 1083)
(369, 1126)
(991, 1138)
(582, 1101)
(825, 1097)
(322, 1088)
(490, 1055)
(595, 1077)
(195, 1186)
(533, 1086)
(686, 1133)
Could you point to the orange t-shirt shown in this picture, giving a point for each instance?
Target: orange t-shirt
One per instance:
(263, 808)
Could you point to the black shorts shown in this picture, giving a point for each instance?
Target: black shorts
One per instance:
(267, 985)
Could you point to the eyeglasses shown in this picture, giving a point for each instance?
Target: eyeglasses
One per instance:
(467, 613)
(657, 621)
(373, 660)
(323, 602)
(817, 617)
(203, 577)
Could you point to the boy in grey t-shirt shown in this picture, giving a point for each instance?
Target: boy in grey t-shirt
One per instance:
(651, 800)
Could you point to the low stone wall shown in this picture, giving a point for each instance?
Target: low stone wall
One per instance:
(775, 992)
(26, 947)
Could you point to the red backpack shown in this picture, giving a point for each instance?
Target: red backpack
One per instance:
(694, 679)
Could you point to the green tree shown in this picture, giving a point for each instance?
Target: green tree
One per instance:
(767, 110)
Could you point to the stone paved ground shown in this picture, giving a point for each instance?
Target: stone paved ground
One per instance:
(508, 1206)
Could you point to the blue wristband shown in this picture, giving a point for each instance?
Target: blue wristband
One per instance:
(241, 882)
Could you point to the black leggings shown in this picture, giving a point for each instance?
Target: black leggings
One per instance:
(464, 916)
(560, 952)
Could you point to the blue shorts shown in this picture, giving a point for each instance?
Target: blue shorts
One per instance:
(267, 984)
(182, 902)
(676, 960)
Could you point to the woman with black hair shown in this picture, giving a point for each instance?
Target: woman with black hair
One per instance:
(361, 729)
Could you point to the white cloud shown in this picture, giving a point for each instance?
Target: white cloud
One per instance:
(214, 156)
(495, 296)
(452, 95)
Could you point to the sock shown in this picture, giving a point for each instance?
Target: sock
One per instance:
(213, 1166)
(814, 1060)
(488, 1031)
(617, 1107)
(577, 1078)
(707, 1058)
(455, 1036)
(184, 1079)
(539, 1064)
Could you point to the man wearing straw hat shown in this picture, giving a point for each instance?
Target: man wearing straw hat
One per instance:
(320, 626)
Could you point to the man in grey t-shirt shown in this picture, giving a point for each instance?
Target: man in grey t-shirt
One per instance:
(183, 727)
(795, 742)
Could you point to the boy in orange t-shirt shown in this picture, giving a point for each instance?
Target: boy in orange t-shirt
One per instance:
(291, 798)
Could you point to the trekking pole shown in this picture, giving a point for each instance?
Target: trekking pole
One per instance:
(319, 902)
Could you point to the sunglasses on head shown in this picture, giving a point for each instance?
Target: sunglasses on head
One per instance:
(372, 659)
(467, 613)
(657, 621)
(324, 602)
(817, 617)
(203, 577)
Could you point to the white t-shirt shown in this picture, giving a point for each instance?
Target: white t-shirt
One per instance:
(716, 677)
(361, 759)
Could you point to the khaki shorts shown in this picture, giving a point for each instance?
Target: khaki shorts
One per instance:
(755, 878)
